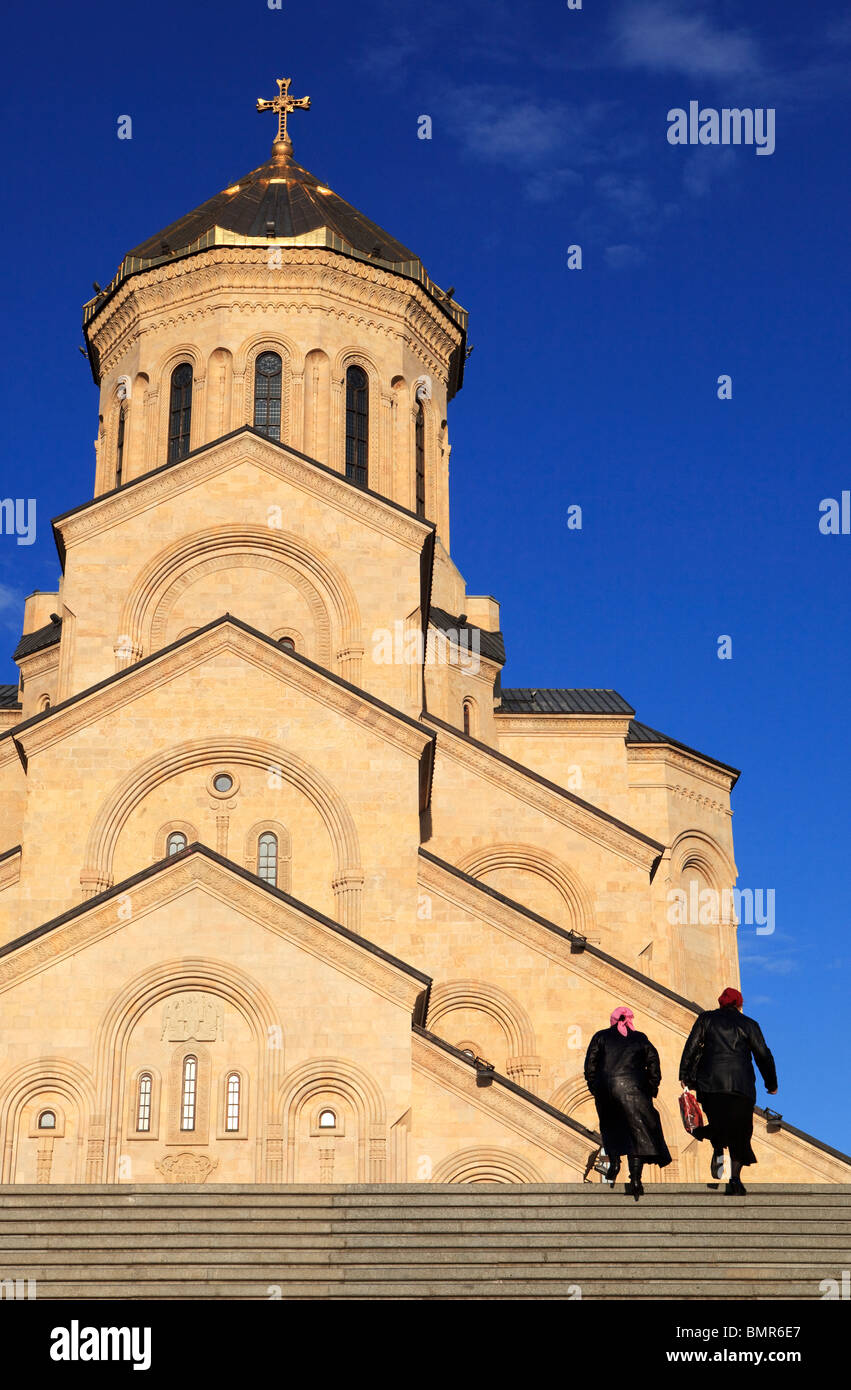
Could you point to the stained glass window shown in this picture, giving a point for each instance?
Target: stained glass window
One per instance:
(267, 394)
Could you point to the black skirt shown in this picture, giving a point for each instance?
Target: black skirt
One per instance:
(729, 1124)
(629, 1124)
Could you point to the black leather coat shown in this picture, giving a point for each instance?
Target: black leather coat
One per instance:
(717, 1055)
(613, 1060)
(623, 1074)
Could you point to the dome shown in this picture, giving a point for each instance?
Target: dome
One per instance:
(277, 204)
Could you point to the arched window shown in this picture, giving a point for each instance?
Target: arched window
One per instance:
(119, 447)
(267, 857)
(327, 1120)
(287, 643)
(471, 718)
(180, 412)
(268, 375)
(419, 451)
(357, 426)
(47, 1119)
(175, 842)
(232, 1102)
(143, 1103)
(187, 1103)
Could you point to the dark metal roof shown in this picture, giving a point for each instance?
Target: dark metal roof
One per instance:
(642, 733)
(489, 644)
(9, 697)
(281, 203)
(35, 641)
(277, 199)
(549, 701)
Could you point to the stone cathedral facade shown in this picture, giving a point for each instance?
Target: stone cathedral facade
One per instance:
(292, 888)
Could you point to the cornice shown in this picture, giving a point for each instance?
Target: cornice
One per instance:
(561, 805)
(555, 943)
(685, 762)
(615, 725)
(237, 638)
(512, 1110)
(10, 867)
(347, 288)
(97, 919)
(39, 662)
(212, 459)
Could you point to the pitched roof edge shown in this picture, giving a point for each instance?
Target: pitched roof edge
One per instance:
(192, 636)
(809, 1138)
(545, 782)
(510, 1085)
(561, 931)
(428, 526)
(79, 909)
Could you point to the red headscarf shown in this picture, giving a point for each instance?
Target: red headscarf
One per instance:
(730, 996)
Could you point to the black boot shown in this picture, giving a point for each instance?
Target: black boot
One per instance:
(614, 1169)
(717, 1164)
(735, 1187)
(634, 1187)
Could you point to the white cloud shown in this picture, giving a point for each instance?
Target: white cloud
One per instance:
(663, 36)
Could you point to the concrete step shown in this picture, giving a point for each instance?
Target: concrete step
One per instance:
(424, 1241)
(605, 1240)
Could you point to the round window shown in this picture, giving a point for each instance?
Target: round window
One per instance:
(222, 782)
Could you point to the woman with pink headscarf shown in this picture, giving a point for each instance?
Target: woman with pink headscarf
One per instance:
(623, 1074)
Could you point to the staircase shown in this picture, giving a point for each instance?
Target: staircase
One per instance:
(422, 1241)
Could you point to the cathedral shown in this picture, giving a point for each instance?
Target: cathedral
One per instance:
(292, 888)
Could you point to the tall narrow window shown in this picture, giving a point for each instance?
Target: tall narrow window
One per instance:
(467, 721)
(233, 1099)
(419, 450)
(143, 1103)
(180, 412)
(357, 426)
(190, 1083)
(267, 858)
(119, 447)
(267, 394)
(175, 842)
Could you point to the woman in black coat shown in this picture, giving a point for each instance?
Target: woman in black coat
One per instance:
(716, 1063)
(623, 1074)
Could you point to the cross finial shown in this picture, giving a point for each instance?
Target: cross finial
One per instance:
(283, 104)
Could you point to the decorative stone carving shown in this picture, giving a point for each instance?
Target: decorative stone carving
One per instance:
(187, 1167)
(198, 1016)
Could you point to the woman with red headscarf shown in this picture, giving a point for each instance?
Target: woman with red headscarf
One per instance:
(623, 1074)
(716, 1063)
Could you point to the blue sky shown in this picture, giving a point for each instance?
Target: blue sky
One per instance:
(594, 387)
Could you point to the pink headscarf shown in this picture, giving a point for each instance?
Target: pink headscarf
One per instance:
(623, 1016)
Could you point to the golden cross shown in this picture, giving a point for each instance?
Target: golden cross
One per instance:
(283, 104)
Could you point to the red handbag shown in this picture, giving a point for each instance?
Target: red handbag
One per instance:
(691, 1112)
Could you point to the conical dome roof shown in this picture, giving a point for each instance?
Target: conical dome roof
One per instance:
(278, 199)
(278, 204)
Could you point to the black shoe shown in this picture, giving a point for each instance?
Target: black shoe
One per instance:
(716, 1167)
(635, 1188)
(612, 1175)
(736, 1188)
